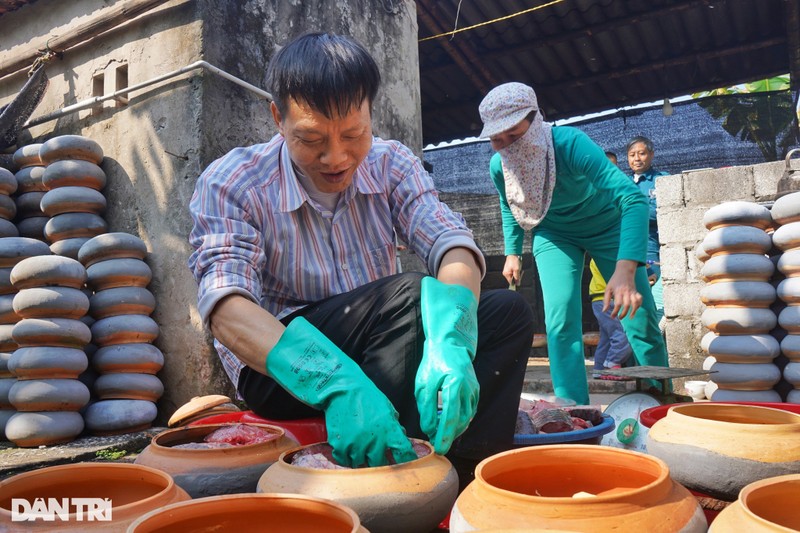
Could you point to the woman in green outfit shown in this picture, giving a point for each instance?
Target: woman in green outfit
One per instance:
(557, 183)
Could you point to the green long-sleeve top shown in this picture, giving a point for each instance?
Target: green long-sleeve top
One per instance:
(591, 196)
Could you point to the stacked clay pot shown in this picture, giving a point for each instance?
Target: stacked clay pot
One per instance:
(786, 213)
(738, 295)
(30, 219)
(575, 487)
(126, 361)
(12, 251)
(49, 358)
(764, 506)
(73, 201)
(8, 208)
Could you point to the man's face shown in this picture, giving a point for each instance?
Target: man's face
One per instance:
(640, 158)
(326, 150)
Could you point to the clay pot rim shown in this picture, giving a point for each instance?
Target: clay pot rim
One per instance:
(581, 453)
(753, 488)
(286, 456)
(94, 471)
(226, 499)
(777, 419)
(204, 430)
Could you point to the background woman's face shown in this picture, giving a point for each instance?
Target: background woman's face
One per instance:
(505, 138)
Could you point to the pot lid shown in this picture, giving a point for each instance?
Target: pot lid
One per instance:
(201, 406)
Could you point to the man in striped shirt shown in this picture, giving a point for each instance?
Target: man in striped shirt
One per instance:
(295, 258)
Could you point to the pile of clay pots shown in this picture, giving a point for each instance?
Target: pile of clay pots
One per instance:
(123, 332)
(30, 220)
(786, 213)
(8, 208)
(741, 346)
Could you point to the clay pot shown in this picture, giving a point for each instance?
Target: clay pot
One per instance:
(791, 373)
(133, 490)
(70, 147)
(50, 302)
(753, 267)
(738, 320)
(31, 430)
(73, 173)
(29, 179)
(5, 388)
(128, 386)
(5, 415)
(413, 496)
(8, 182)
(142, 358)
(764, 506)
(116, 417)
(74, 225)
(790, 347)
(112, 246)
(789, 290)
(8, 229)
(745, 376)
(122, 329)
(41, 362)
(7, 314)
(48, 270)
(32, 227)
(27, 155)
(7, 342)
(48, 395)
(8, 208)
(718, 449)
(737, 240)
(786, 209)
(62, 332)
(5, 358)
(68, 247)
(73, 200)
(112, 273)
(731, 395)
(540, 487)
(122, 301)
(249, 513)
(15, 249)
(213, 471)
(789, 319)
(6, 287)
(28, 204)
(738, 293)
(787, 236)
(737, 213)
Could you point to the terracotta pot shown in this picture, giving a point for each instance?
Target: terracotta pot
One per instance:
(29, 204)
(31, 430)
(125, 272)
(408, 497)
(73, 200)
(731, 395)
(29, 179)
(64, 332)
(73, 173)
(128, 386)
(7, 343)
(32, 227)
(6, 287)
(8, 208)
(214, 471)
(764, 506)
(745, 376)
(133, 490)
(787, 236)
(122, 301)
(74, 225)
(8, 229)
(730, 267)
(123, 329)
(70, 147)
(737, 213)
(789, 263)
(5, 388)
(537, 487)
(249, 513)
(740, 348)
(15, 249)
(717, 449)
(7, 314)
(116, 417)
(116, 245)
(50, 302)
(48, 395)
(785, 209)
(27, 155)
(40, 362)
(738, 320)
(8, 182)
(737, 240)
(68, 247)
(789, 319)
(47, 270)
(738, 293)
(142, 358)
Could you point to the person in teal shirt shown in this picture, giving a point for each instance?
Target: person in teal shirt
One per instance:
(558, 184)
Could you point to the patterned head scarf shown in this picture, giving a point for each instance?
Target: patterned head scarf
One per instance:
(529, 165)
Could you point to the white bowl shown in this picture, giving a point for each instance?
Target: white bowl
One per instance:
(696, 389)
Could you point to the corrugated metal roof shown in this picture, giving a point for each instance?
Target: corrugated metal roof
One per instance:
(585, 56)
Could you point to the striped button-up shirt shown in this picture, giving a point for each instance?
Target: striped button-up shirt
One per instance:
(258, 233)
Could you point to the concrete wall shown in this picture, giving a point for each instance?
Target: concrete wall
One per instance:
(682, 200)
(157, 144)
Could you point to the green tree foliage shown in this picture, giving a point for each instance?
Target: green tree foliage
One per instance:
(768, 119)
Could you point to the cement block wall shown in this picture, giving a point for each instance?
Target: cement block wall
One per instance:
(682, 201)
(157, 145)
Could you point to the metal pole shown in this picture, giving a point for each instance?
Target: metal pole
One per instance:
(89, 102)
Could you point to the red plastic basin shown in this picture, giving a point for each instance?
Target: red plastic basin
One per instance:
(648, 417)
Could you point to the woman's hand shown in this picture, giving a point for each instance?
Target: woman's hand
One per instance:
(622, 289)
(512, 270)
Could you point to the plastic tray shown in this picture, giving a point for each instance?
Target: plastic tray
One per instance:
(305, 431)
(579, 436)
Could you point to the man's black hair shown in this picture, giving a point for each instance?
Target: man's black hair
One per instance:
(648, 144)
(333, 74)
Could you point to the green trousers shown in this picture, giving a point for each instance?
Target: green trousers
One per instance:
(560, 262)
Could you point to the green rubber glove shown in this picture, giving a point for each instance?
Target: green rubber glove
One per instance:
(362, 423)
(450, 322)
